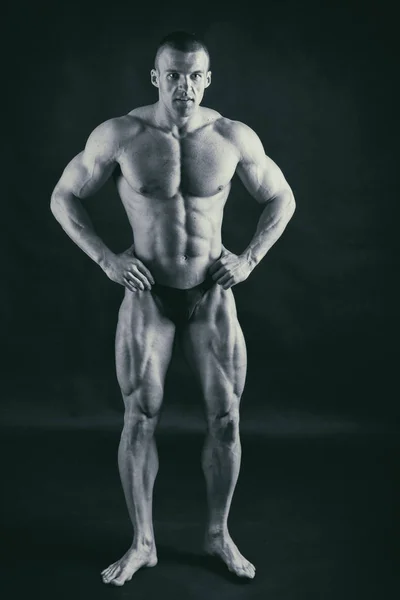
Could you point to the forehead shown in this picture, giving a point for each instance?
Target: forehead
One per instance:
(170, 59)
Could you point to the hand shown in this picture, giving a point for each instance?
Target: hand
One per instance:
(230, 269)
(129, 271)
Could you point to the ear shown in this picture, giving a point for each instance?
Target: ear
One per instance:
(154, 78)
(208, 79)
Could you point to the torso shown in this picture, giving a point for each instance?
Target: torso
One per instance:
(174, 191)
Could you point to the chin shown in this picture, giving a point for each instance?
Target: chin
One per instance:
(185, 109)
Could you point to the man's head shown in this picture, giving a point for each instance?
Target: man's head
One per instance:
(181, 72)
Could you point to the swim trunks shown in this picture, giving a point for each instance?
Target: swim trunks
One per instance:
(179, 305)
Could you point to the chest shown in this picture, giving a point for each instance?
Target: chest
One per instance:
(197, 165)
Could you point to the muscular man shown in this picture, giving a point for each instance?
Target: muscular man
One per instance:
(173, 163)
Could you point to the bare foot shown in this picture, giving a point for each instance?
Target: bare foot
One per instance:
(132, 561)
(222, 545)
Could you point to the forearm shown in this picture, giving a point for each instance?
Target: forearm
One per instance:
(74, 219)
(272, 222)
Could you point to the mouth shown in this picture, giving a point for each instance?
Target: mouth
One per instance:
(184, 100)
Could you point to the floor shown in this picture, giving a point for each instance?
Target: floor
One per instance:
(316, 515)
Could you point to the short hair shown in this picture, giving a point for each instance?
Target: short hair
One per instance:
(182, 41)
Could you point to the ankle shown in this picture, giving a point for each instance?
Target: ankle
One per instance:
(215, 532)
(143, 541)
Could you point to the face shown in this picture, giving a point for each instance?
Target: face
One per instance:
(181, 78)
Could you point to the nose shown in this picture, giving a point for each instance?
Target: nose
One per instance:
(186, 83)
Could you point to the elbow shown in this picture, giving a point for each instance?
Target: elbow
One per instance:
(287, 203)
(57, 203)
(53, 203)
(55, 206)
(291, 204)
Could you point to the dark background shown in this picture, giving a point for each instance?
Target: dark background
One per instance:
(317, 82)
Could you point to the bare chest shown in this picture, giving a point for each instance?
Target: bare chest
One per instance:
(157, 164)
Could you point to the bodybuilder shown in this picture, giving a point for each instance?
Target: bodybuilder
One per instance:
(172, 163)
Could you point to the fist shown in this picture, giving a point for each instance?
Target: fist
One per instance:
(129, 271)
(230, 269)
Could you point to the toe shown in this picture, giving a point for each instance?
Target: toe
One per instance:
(245, 574)
(115, 572)
(249, 568)
(108, 570)
(250, 573)
(245, 570)
(118, 581)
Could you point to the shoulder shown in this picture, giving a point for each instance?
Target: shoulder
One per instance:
(141, 118)
(243, 138)
(209, 115)
(239, 133)
(141, 113)
(107, 131)
(114, 132)
(106, 138)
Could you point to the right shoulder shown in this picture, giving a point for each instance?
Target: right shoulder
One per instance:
(111, 135)
(115, 132)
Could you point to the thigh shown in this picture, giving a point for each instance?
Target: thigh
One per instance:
(143, 348)
(214, 346)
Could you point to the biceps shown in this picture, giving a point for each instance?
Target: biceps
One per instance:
(84, 175)
(263, 179)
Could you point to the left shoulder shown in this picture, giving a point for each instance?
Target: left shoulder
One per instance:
(245, 139)
(209, 113)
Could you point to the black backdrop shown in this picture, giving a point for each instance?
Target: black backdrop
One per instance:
(316, 81)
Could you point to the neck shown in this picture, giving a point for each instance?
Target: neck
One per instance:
(172, 122)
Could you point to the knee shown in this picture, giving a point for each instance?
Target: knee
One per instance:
(224, 427)
(142, 399)
(138, 428)
(142, 412)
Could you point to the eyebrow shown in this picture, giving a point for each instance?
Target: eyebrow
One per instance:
(177, 71)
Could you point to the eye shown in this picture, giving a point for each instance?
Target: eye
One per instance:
(173, 75)
(197, 76)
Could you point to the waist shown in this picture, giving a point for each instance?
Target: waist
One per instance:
(206, 284)
(182, 271)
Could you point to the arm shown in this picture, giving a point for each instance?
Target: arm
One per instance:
(83, 176)
(265, 182)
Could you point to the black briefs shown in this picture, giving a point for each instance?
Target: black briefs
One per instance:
(179, 305)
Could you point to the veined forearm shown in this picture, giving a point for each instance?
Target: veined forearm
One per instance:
(272, 222)
(73, 218)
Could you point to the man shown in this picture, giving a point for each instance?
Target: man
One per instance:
(173, 163)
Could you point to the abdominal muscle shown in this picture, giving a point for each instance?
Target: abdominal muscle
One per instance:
(177, 238)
